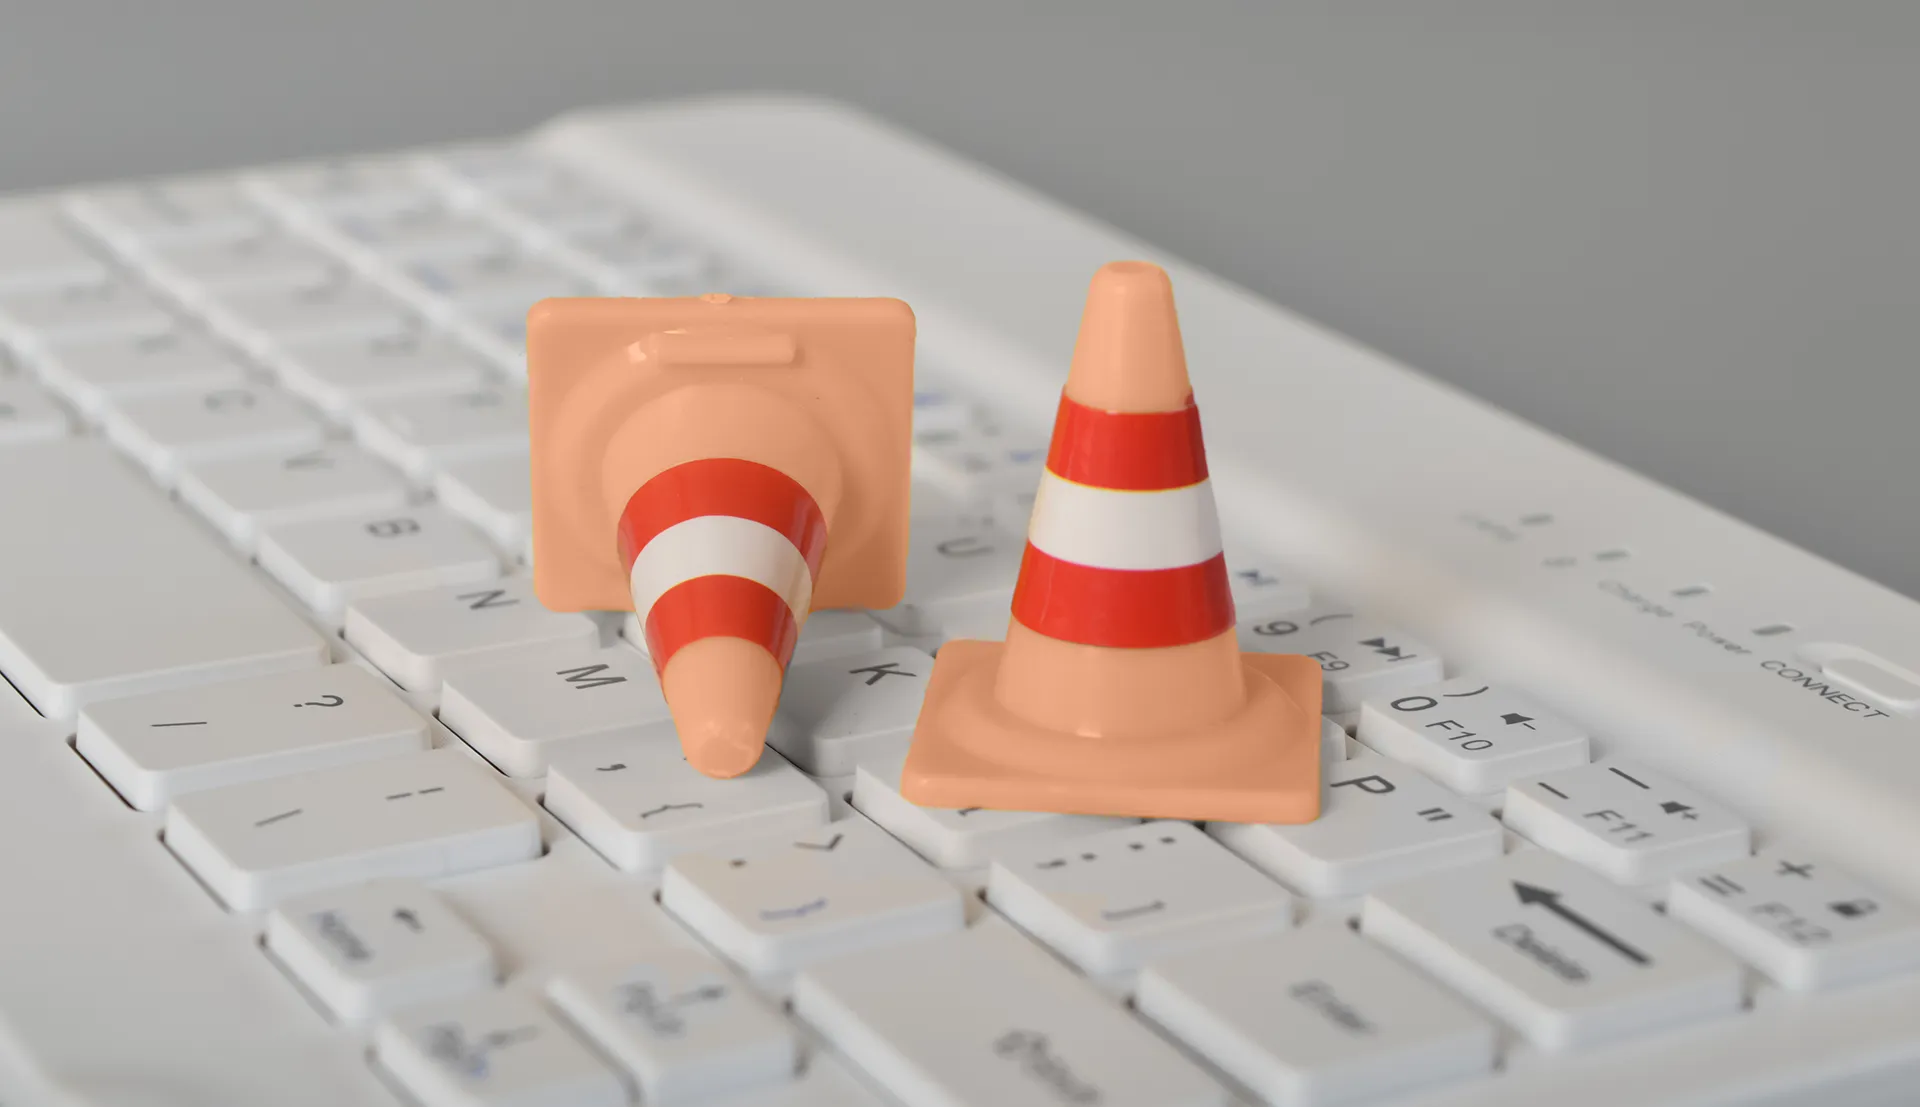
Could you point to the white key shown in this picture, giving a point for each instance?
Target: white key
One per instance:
(966, 837)
(1333, 741)
(1557, 953)
(1361, 658)
(1625, 820)
(376, 947)
(113, 307)
(423, 230)
(517, 715)
(338, 186)
(1804, 922)
(504, 277)
(568, 209)
(418, 815)
(416, 638)
(636, 252)
(328, 563)
(172, 430)
(500, 168)
(168, 212)
(496, 1049)
(835, 712)
(244, 495)
(158, 747)
(95, 375)
(1262, 588)
(960, 577)
(29, 415)
(98, 539)
(500, 335)
(779, 903)
(338, 307)
(682, 1024)
(825, 634)
(1109, 901)
(342, 374)
(1470, 735)
(638, 803)
(1315, 1018)
(254, 262)
(493, 493)
(421, 433)
(986, 1017)
(1380, 821)
(37, 253)
(970, 464)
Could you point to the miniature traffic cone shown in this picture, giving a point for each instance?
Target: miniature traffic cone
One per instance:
(721, 467)
(1121, 688)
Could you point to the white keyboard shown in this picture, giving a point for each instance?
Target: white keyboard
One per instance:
(304, 800)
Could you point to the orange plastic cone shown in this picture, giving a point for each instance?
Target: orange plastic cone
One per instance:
(1121, 688)
(721, 467)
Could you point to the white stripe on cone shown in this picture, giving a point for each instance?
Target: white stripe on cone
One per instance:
(1104, 528)
(720, 545)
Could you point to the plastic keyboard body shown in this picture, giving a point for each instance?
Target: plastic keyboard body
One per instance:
(306, 801)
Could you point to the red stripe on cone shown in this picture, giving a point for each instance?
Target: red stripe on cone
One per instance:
(720, 607)
(1131, 451)
(1128, 608)
(724, 486)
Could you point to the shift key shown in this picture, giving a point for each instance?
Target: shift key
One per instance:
(106, 590)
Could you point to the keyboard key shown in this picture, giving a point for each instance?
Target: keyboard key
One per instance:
(253, 263)
(168, 212)
(1380, 821)
(28, 414)
(503, 168)
(421, 433)
(160, 746)
(1261, 588)
(340, 186)
(960, 577)
(517, 715)
(1470, 735)
(337, 308)
(961, 838)
(344, 374)
(1333, 741)
(38, 254)
(110, 308)
(638, 803)
(1362, 659)
(682, 1024)
(826, 634)
(496, 1049)
(782, 902)
(973, 466)
(419, 815)
(167, 432)
(1807, 924)
(1315, 1017)
(985, 1017)
(96, 375)
(1624, 820)
(494, 493)
(243, 496)
(1562, 956)
(635, 252)
(416, 637)
(425, 230)
(329, 563)
(507, 277)
(1109, 901)
(838, 711)
(66, 574)
(372, 948)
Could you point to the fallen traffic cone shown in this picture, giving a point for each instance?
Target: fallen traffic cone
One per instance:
(721, 467)
(1120, 688)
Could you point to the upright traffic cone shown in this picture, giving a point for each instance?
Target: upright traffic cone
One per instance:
(721, 467)
(1120, 688)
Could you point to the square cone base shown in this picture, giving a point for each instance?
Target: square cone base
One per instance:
(1262, 765)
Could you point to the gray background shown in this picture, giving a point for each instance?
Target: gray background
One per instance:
(1682, 235)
